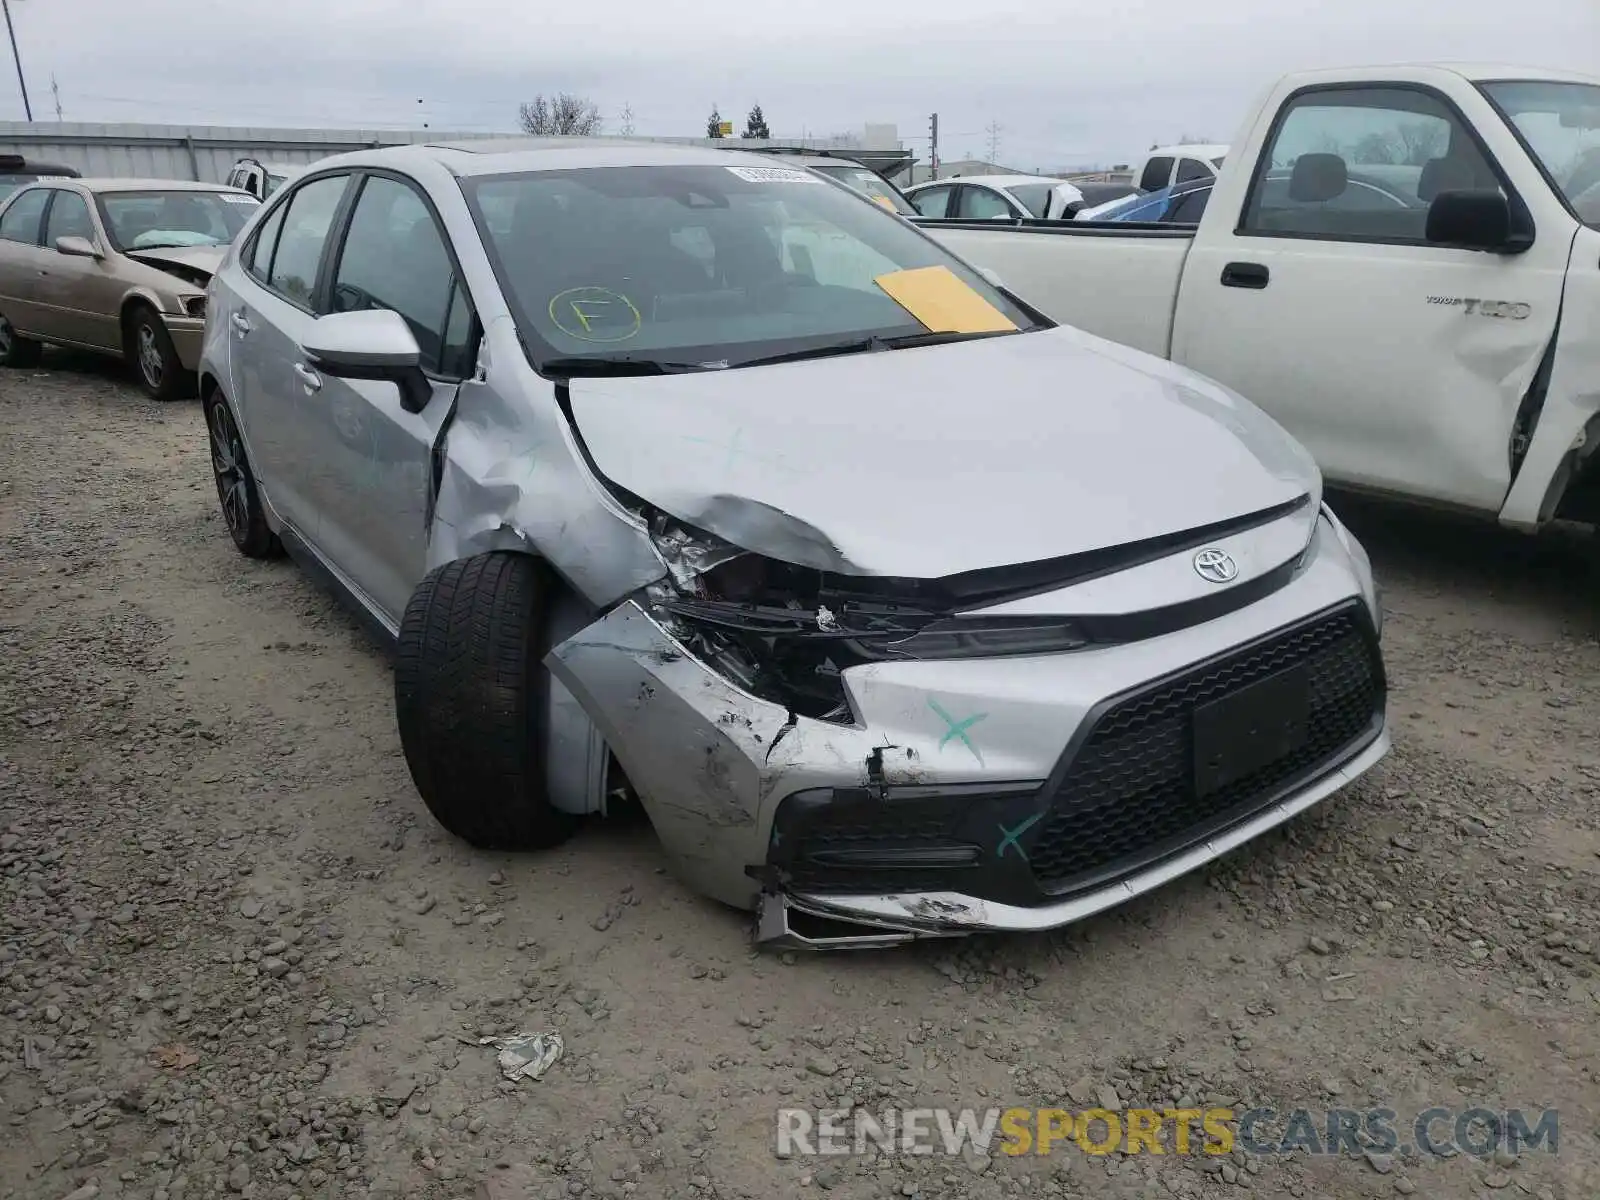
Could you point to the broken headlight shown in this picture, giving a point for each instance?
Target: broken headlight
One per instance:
(786, 633)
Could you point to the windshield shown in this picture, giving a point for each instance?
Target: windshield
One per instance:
(151, 220)
(274, 182)
(709, 265)
(869, 184)
(1035, 197)
(10, 183)
(1560, 122)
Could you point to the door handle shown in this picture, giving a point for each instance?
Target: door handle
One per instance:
(1245, 275)
(240, 324)
(308, 377)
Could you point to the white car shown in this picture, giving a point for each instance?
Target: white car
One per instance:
(892, 603)
(996, 198)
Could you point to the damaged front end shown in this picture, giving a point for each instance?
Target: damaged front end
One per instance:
(786, 633)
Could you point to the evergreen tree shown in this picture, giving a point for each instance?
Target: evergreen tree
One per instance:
(755, 125)
(714, 123)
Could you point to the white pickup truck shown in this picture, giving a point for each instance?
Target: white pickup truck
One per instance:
(1400, 264)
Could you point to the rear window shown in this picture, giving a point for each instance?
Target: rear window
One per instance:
(1035, 197)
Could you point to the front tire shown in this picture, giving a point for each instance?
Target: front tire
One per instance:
(153, 356)
(470, 700)
(16, 350)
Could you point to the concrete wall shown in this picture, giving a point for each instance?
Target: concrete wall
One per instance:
(207, 152)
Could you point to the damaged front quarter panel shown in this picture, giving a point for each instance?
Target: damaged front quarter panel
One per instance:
(513, 477)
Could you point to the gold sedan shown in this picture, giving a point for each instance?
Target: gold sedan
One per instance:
(118, 266)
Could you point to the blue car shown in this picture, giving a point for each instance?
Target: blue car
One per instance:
(1179, 204)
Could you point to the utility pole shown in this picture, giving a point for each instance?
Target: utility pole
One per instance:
(16, 57)
(933, 146)
(994, 141)
(55, 92)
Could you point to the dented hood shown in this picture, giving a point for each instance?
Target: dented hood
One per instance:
(205, 259)
(934, 460)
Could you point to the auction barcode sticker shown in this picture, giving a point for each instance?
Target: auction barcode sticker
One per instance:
(235, 198)
(773, 175)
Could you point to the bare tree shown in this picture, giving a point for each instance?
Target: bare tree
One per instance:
(560, 115)
(1422, 140)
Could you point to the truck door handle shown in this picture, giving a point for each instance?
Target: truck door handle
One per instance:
(1245, 275)
(240, 324)
(308, 377)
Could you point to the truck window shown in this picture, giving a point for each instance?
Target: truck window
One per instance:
(1192, 168)
(1362, 164)
(1189, 207)
(1157, 174)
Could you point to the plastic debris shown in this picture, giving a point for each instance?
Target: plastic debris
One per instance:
(526, 1055)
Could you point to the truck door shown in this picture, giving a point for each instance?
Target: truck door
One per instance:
(1314, 291)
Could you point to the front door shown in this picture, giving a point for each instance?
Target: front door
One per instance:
(1398, 363)
(79, 297)
(369, 462)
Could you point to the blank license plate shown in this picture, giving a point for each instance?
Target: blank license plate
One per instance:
(1247, 730)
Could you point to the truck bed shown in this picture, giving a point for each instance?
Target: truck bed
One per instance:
(1117, 279)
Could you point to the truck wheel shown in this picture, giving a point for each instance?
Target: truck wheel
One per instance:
(470, 697)
(16, 350)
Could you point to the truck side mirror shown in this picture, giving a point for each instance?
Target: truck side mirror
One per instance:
(1479, 219)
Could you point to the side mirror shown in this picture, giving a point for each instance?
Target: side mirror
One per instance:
(1479, 219)
(77, 247)
(374, 344)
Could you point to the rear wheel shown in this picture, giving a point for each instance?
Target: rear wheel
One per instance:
(236, 486)
(154, 358)
(472, 700)
(16, 350)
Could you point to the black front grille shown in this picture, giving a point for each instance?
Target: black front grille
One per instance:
(1128, 794)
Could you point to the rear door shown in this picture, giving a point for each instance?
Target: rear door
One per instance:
(1399, 363)
(22, 259)
(368, 465)
(975, 202)
(278, 404)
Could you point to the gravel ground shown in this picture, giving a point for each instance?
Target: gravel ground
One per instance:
(237, 958)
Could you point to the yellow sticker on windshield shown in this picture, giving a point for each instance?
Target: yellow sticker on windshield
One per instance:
(886, 202)
(938, 298)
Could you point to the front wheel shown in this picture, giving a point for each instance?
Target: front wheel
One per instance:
(471, 700)
(16, 350)
(154, 358)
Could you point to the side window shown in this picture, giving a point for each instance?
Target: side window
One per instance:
(259, 259)
(20, 222)
(1308, 184)
(1192, 168)
(1189, 207)
(69, 217)
(394, 257)
(981, 204)
(1156, 175)
(304, 236)
(934, 202)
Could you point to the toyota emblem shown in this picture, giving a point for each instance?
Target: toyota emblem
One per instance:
(1215, 566)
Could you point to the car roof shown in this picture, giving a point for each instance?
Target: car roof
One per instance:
(502, 156)
(18, 164)
(105, 184)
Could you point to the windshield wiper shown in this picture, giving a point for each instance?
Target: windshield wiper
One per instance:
(599, 365)
(872, 344)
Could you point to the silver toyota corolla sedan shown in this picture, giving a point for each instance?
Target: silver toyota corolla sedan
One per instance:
(693, 476)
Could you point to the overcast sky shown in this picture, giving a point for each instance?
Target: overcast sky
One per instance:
(1067, 84)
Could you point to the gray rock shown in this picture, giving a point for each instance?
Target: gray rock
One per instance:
(821, 1064)
(239, 1178)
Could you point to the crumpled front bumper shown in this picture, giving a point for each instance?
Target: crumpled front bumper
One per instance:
(971, 754)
